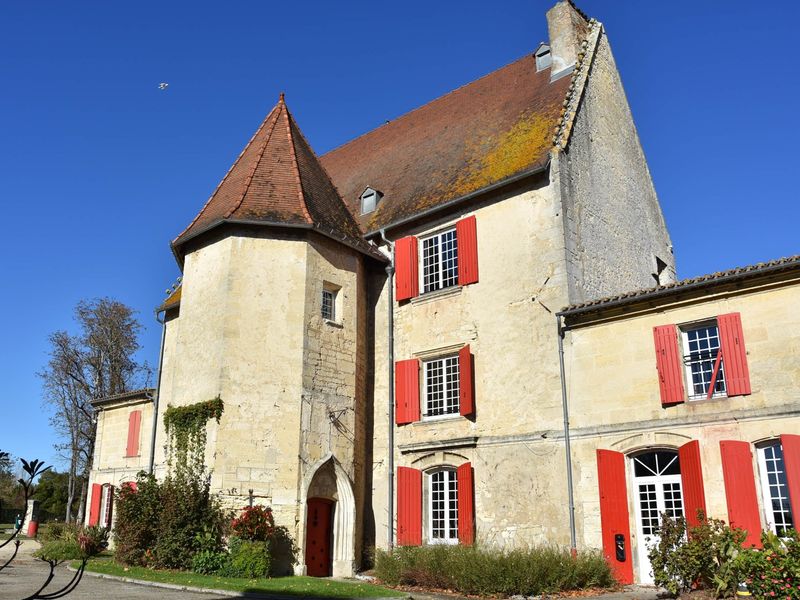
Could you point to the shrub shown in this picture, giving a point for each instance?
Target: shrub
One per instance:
(773, 571)
(702, 557)
(486, 571)
(209, 562)
(249, 559)
(256, 523)
(165, 524)
(73, 542)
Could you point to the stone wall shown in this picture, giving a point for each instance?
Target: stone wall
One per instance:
(614, 393)
(613, 225)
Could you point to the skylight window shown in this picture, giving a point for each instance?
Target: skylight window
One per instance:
(543, 57)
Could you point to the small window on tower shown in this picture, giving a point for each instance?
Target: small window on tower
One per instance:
(369, 200)
(330, 302)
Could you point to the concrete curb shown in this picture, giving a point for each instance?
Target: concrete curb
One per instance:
(228, 593)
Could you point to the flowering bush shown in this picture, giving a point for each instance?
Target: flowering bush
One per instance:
(255, 524)
(774, 571)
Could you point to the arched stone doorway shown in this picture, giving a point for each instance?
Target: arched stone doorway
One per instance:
(329, 495)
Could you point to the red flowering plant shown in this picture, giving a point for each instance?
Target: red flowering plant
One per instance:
(772, 571)
(255, 524)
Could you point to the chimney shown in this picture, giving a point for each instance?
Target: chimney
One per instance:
(567, 27)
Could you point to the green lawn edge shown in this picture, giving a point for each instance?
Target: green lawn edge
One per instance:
(298, 586)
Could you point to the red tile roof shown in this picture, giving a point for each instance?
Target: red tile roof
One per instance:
(277, 180)
(490, 130)
(670, 290)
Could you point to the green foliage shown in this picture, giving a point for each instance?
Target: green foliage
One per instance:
(489, 571)
(51, 492)
(247, 559)
(137, 522)
(70, 542)
(186, 433)
(165, 524)
(773, 571)
(209, 562)
(256, 523)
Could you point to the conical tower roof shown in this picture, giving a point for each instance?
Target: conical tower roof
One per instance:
(277, 181)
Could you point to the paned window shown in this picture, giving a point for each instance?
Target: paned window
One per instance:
(329, 304)
(106, 501)
(703, 361)
(774, 491)
(441, 386)
(443, 507)
(439, 261)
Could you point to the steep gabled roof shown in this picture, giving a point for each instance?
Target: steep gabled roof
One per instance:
(277, 180)
(491, 130)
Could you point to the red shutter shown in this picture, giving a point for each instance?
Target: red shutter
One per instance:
(740, 489)
(406, 268)
(409, 506)
(134, 426)
(466, 504)
(406, 391)
(466, 382)
(791, 464)
(694, 497)
(734, 355)
(94, 507)
(668, 363)
(614, 518)
(467, 241)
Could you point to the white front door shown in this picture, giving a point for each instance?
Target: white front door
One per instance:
(657, 490)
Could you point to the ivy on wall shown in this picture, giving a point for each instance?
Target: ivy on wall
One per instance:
(186, 435)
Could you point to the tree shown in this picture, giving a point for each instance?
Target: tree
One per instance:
(51, 492)
(11, 495)
(96, 362)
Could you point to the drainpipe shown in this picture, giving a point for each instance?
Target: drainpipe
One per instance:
(390, 340)
(158, 392)
(567, 449)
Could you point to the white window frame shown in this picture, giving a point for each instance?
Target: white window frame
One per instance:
(106, 501)
(441, 280)
(687, 366)
(450, 505)
(453, 388)
(334, 292)
(766, 488)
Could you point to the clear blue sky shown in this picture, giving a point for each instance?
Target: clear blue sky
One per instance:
(100, 170)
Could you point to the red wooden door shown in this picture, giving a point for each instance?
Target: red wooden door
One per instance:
(319, 537)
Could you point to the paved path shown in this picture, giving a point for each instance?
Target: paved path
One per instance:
(25, 575)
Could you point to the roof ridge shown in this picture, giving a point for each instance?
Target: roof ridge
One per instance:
(577, 86)
(225, 178)
(436, 99)
(301, 190)
(249, 180)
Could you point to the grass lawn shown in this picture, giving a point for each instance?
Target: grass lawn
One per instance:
(302, 587)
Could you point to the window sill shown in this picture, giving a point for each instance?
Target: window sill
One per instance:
(453, 290)
(438, 419)
(703, 399)
(336, 324)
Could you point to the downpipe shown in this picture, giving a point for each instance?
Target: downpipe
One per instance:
(158, 393)
(390, 411)
(567, 448)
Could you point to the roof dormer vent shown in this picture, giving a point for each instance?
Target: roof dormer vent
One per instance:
(369, 200)
(543, 57)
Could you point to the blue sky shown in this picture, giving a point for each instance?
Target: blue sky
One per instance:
(100, 169)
